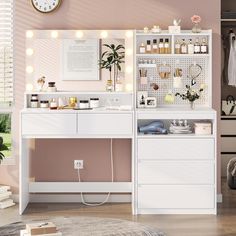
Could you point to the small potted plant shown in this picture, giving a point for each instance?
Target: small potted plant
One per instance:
(112, 60)
(191, 94)
(196, 21)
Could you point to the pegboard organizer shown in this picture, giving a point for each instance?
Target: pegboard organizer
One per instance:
(182, 61)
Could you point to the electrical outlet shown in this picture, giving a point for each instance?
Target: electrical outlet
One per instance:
(78, 164)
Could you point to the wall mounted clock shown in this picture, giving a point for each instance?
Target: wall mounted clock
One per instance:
(46, 6)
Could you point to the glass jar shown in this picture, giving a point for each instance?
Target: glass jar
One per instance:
(44, 104)
(34, 103)
(51, 87)
(84, 104)
(94, 102)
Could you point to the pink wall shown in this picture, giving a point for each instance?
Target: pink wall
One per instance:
(106, 14)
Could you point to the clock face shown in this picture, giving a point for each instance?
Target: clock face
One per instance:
(45, 6)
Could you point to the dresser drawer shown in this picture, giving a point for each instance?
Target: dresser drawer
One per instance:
(228, 144)
(49, 124)
(228, 127)
(176, 196)
(176, 172)
(169, 148)
(105, 124)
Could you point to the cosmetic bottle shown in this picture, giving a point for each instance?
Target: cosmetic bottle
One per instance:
(161, 46)
(149, 47)
(204, 46)
(53, 104)
(142, 48)
(183, 47)
(167, 46)
(154, 46)
(197, 46)
(177, 47)
(190, 47)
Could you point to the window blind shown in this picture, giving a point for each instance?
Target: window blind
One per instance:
(6, 53)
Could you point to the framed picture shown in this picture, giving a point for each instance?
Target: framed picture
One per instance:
(80, 59)
(151, 102)
(141, 99)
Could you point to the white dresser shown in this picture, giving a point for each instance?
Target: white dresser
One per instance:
(176, 173)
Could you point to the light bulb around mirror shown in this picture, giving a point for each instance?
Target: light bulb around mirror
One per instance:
(128, 51)
(29, 87)
(29, 51)
(129, 34)
(104, 34)
(29, 69)
(129, 87)
(54, 34)
(29, 34)
(79, 34)
(129, 69)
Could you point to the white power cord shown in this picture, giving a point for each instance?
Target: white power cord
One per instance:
(112, 180)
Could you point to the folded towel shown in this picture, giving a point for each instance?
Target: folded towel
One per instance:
(231, 167)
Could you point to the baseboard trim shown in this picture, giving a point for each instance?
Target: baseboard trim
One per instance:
(76, 198)
(219, 198)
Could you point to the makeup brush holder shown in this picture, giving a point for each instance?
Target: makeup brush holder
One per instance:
(143, 80)
(164, 71)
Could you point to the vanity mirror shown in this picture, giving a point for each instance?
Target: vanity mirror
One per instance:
(71, 58)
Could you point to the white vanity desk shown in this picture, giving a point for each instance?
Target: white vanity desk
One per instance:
(171, 174)
(52, 124)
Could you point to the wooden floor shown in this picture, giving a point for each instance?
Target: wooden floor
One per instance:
(224, 224)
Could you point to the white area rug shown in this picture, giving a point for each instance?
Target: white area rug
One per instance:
(89, 226)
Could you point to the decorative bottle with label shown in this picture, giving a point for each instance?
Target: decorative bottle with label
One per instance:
(197, 46)
(149, 47)
(161, 47)
(167, 46)
(190, 47)
(177, 47)
(142, 48)
(184, 47)
(154, 46)
(204, 46)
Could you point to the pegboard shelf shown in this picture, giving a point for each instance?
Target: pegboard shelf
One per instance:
(148, 64)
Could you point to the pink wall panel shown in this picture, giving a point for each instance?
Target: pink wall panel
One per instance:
(96, 14)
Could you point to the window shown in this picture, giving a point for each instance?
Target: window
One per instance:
(6, 53)
(6, 78)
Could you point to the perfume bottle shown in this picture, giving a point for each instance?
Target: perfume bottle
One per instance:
(177, 47)
(190, 47)
(154, 46)
(167, 46)
(161, 46)
(197, 46)
(142, 48)
(148, 47)
(204, 46)
(183, 47)
(109, 85)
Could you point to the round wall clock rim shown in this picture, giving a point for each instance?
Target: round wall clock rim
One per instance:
(54, 9)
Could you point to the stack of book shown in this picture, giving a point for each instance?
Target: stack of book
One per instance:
(41, 229)
(5, 200)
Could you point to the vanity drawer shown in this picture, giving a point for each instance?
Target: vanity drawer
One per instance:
(176, 196)
(182, 148)
(105, 124)
(176, 172)
(228, 127)
(228, 144)
(59, 124)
